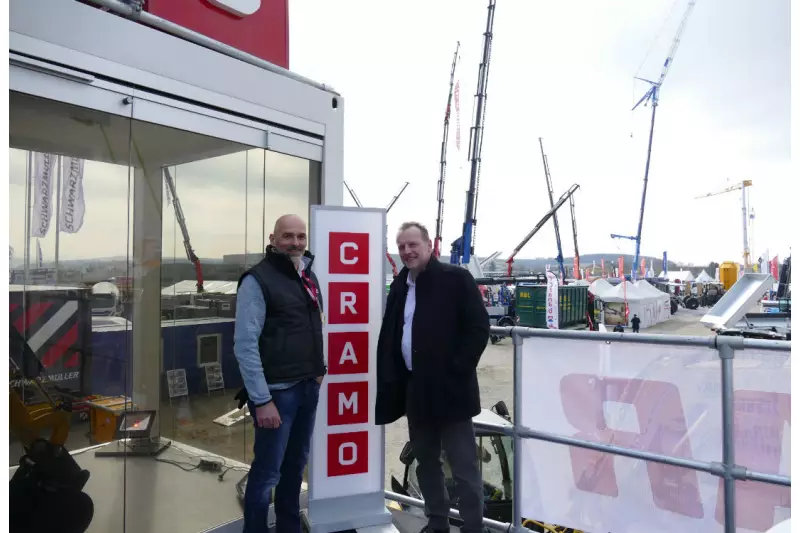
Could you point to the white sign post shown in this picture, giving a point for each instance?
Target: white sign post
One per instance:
(346, 471)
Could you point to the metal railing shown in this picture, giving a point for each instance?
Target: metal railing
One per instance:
(728, 470)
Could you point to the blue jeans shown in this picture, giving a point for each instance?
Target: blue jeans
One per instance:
(279, 459)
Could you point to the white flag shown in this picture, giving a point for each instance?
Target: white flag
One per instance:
(551, 301)
(40, 257)
(43, 165)
(73, 206)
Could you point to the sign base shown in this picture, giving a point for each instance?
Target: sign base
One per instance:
(331, 515)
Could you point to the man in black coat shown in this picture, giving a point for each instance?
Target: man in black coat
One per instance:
(434, 332)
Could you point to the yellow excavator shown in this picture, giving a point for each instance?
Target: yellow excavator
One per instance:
(46, 491)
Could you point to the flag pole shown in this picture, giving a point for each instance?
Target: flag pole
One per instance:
(58, 209)
(28, 209)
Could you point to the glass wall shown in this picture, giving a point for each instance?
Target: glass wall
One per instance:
(113, 220)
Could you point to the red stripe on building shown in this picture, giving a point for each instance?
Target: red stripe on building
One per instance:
(34, 313)
(73, 361)
(58, 349)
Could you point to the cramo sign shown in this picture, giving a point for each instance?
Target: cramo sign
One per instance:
(258, 27)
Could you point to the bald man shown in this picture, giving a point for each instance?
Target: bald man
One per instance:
(278, 344)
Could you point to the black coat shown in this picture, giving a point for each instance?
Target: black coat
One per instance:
(449, 334)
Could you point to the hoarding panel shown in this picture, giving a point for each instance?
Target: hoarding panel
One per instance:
(657, 398)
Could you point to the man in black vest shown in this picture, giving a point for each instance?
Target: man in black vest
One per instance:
(434, 332)
(278, 344)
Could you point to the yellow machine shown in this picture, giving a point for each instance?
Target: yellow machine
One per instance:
(46, 491)
(728, 274)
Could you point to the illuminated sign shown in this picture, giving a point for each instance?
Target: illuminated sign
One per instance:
(258, 27)
(346, 472)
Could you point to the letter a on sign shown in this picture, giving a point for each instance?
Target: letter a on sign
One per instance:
(348, 253)
(348, 352)
(348, 303)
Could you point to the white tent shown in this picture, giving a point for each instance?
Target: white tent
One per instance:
(703, 277)
(682, 275)
(190, 287)
(648, 303)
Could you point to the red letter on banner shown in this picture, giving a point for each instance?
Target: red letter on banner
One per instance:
(347, 403)
(759, 422)
(663, 430)
(348, 352)
(348, 253)
(348, 453)
(348, 302)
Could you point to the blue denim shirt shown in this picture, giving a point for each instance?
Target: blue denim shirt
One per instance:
(251, 312)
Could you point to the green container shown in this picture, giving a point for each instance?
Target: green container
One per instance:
(531, 308)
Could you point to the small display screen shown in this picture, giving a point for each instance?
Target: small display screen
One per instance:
(135, 422)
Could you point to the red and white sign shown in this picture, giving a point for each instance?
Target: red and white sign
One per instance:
(347, 450)
(258, 27)
(661, 399)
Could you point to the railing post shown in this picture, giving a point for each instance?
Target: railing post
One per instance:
(516, 521)
(726, 355)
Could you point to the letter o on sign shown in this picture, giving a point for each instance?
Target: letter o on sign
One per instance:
(348, 454)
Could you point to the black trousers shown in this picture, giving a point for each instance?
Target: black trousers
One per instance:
(458, 442)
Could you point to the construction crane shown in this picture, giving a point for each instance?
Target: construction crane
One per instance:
(741, 186)
(437, 241)
(176, 204)
(542, 222)
(388, 208)
(549, 180)
(575, 239)
(463, 248)
(652, 96)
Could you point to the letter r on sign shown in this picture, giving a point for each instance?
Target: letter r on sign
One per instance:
(348, 253)
(348, 302)
(662, 429)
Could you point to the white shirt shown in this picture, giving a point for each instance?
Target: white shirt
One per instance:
(408, 320)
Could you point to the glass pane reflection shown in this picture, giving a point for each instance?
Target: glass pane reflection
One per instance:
(150, 341)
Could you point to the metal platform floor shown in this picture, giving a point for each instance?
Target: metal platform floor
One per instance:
(149, 495)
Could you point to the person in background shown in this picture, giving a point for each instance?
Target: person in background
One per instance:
(434, 332)
(278, 344)
(636, 322)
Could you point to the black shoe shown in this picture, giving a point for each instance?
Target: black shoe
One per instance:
(429, 529)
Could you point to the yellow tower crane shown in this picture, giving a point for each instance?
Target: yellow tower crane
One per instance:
(741, 186)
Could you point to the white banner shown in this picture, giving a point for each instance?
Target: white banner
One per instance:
(662, 399)
(42, 182)
(73, 205)
(551, 303)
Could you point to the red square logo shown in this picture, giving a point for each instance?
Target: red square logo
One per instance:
(348, 453)
(348, 253)
(348, 352)
(348, 302)
(348, 403)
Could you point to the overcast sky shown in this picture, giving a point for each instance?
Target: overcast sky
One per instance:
(564, 71)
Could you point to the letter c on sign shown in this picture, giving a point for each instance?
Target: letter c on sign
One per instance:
(343, 254)
(353, 453)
